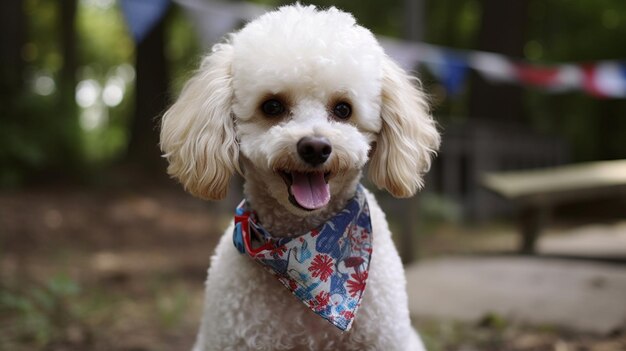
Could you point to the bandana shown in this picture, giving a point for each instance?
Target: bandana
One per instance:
(325, 268)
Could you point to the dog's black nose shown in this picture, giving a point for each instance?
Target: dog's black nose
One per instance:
(314, 150)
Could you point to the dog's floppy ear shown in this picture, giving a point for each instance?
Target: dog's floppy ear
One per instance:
(408, 138)
(197, 132)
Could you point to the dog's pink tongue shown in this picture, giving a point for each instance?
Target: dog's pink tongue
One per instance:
(310, 190)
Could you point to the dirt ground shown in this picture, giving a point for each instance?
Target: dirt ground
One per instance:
(122, 268)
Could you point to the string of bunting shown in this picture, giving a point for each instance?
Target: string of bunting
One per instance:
(601, 79)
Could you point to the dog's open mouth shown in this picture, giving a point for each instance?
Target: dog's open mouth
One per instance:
(307, 190)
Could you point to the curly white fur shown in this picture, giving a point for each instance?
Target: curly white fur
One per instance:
(310, 59)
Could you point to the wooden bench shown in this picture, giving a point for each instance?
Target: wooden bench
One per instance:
(536, 192)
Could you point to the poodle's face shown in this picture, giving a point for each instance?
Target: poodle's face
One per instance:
(298, 97)
(306, 103)
(304, 147)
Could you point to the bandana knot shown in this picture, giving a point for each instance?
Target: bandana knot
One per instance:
(325, 268)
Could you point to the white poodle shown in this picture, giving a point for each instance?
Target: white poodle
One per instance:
(297, 102)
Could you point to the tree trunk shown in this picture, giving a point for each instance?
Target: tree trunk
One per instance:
(414, 20)
(68, 47)
(413, 31)
(503, 30)
(151, 100)
(12, 22)
(70, 133)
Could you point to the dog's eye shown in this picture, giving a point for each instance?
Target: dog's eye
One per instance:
(342, 110)
(272, 107)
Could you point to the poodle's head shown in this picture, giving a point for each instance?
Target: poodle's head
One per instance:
(299, 99)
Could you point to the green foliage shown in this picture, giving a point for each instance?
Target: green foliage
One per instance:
(42, 130)
(33, 140)
(172, 305)
(453, 23)
(106, 51)
(41, 313)
(451, 335)
(43, 49)
(37, 130)
(183, 50)
(435, 208)
(557, 31)
(103, 38)
(579, 31)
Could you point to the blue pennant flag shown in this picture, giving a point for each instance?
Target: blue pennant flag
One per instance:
(454, 73)
(142, 15)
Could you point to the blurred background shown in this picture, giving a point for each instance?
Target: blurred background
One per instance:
(518, 241)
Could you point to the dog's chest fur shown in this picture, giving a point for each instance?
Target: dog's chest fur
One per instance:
(247, 308)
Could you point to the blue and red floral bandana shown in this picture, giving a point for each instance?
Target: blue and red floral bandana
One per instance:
(325, 268)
